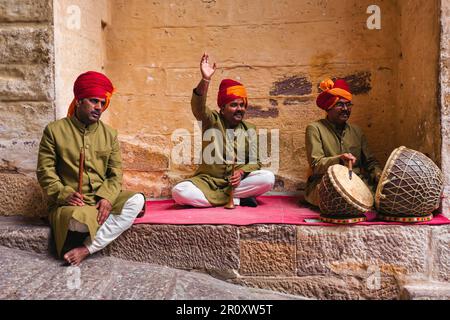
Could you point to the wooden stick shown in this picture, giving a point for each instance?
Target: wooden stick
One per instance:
(350, 169)
(81, 172)
(230, 204)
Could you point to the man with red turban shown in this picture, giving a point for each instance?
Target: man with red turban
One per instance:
(233, 144)
(88, 208)
(333, 140)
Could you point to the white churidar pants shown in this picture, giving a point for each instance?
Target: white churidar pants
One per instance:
(255, 184)
(113, 226)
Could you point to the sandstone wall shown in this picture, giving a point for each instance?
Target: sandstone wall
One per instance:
(445, 100)
(26, 100)
(79, 44)
(417, 111)
(280, 50)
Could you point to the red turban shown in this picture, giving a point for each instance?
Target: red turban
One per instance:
(91, 85)
(332, 92)
(230, 90)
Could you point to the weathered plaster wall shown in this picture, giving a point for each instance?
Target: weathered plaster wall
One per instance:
(417, 111)
(280, 50)
(26, 100)
(79, 44)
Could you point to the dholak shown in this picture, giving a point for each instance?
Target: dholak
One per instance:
(343, 201)
(410, 187)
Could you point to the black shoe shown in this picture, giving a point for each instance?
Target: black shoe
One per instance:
(248, 202)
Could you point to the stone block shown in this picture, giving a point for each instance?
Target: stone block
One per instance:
(441, 253)
(26, 83)
(27, 234)
(152, 184)
(326, 287)
(21, 195)
(393, 250)
(24, 120)
(26, 11)
(426, 291)
(143, 157)
(26, 45)
(211, 248)
(267, 250)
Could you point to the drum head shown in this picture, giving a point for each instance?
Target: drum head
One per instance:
(354, 190)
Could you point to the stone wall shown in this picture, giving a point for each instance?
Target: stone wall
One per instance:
(79, 44)
(417, 111)
(445, 100)
(280, 51)
(318, 262)
(26, 100)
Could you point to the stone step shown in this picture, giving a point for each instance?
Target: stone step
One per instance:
(26, 275)
(342, 262)
(426, 291)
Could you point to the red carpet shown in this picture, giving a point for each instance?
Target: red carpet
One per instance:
(271, 210)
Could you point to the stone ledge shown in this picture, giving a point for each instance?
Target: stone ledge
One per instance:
(27, 234)
(426, 291)
(348, 265)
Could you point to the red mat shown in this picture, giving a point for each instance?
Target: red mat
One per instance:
(271, 210)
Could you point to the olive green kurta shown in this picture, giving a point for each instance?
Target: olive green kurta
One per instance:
(212, 178)
(324, 144)
(57, 172)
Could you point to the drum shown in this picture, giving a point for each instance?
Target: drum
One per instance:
(410, 187)
(343, 200)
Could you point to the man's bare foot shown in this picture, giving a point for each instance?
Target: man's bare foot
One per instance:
(75, 256)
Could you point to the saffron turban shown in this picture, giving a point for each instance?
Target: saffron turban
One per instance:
(332, 92)
(91, 85)
(230, 90)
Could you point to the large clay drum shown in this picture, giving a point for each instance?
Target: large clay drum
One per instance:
(410, 187)
(343, 200)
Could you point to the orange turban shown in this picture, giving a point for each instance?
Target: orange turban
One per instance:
(230, 90)
(332, 92)
(91, 85)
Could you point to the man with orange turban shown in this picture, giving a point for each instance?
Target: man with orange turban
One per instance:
(88, 208)
(333, 140)
(233, 144)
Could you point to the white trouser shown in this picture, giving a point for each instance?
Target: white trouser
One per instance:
(113, 226)
(255, 184)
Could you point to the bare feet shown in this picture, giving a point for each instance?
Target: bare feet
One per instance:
(75, 256)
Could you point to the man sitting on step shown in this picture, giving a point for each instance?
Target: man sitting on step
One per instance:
(88, 210)
(233, 162)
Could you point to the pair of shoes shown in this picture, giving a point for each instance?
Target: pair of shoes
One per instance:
(248, 202)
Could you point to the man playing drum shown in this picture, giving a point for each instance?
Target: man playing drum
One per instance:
(333, 140)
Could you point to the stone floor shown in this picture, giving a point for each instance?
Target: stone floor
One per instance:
(157, 262)
(28, 275)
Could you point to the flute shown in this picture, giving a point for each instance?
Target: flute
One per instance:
(81, 172)
(230, 204)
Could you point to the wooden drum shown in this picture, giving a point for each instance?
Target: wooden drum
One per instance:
(410, 187)
(343, 201)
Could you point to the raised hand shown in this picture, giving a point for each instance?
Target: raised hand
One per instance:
(206, 69)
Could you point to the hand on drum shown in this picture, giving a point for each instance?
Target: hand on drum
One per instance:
(347, 157)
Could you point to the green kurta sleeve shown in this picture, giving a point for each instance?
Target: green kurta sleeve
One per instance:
(111, 187)
(200, 111)
(46, 170)
(316, 155)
